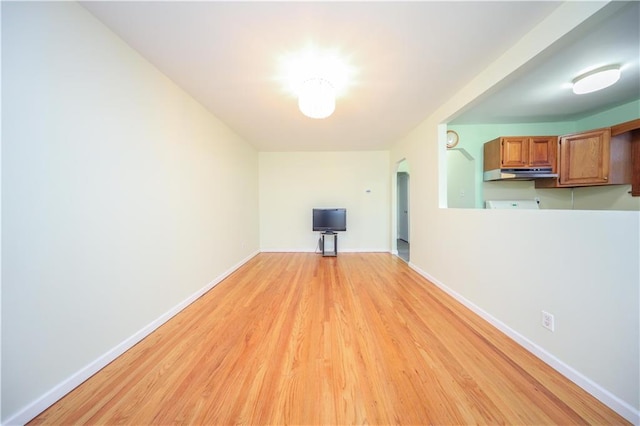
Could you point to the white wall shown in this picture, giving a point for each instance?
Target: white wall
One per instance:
(293, 183)
(581, 266)
(121, 197)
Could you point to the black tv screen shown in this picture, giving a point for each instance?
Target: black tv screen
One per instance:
(329, 220)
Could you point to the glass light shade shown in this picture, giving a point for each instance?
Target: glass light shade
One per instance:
(595, 80)
(317, 98)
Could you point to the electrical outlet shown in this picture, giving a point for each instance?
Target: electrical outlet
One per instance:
(548, 321)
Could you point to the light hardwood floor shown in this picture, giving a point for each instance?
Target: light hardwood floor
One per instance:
(295, 338)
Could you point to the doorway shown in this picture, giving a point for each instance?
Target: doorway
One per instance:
(402, 240)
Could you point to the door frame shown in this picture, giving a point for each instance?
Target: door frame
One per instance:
(402, 165)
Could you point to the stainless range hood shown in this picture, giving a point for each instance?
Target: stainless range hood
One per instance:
(519, 174)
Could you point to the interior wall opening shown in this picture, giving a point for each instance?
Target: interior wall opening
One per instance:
(402, 214)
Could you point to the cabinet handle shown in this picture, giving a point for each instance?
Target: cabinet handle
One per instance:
(606, 178)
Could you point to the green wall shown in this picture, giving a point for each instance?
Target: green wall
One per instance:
(620, 114)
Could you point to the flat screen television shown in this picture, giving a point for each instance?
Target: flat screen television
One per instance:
(329, 220)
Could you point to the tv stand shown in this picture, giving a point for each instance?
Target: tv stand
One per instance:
(333, 252)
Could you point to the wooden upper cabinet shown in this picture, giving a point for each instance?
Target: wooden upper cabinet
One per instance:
(635, 163)
(592, 158)
(542, 151)
(517, 152)
(632, 131)
(584, 158)
(514, 152)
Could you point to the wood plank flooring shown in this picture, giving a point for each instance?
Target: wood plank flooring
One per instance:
(295, 338)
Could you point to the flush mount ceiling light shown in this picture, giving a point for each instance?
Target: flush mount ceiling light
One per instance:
(317, 98)
(596, 80)
(316, 79)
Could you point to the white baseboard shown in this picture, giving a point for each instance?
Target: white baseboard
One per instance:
(378, 250)
(606, 397)
(364, 250)
(45, 401)
(274, 250)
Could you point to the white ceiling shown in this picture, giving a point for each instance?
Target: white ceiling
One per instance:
(410, 58)
(541, 91)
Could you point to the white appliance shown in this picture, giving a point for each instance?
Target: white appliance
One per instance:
(512, 204)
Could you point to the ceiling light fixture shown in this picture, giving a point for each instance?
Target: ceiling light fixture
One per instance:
(596, 80)
(317, 98)
(316, 78)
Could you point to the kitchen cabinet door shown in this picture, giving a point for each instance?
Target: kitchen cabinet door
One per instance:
(542, 152)
(584, 158)
(514, 152)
